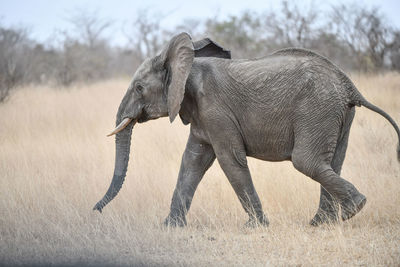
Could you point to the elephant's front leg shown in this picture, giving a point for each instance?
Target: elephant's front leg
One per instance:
(196, 160)
(232, 158)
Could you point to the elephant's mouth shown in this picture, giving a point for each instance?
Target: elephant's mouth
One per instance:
(145, 116)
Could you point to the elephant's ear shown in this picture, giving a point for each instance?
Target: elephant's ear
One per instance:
(177, 57)
(208, 48)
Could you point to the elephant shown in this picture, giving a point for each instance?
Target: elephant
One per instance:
(292, 105)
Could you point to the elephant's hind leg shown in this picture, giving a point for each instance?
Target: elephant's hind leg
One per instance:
(328, 210)
(349, 198)
(314, 158)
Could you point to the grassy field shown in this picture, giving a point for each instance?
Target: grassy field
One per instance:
(56, 163)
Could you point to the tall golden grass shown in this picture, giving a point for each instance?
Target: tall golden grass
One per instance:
(56, 163)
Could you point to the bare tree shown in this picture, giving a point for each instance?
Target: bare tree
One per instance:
(377, 36)
(14, 60)
(145, 35)
(292, 26)
(88, 27)
(191, 26)
(364, 31)
(241, 34)
(394, 51)
(85, 53)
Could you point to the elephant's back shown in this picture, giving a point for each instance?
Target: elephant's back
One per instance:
(321, 69)
(301, 52)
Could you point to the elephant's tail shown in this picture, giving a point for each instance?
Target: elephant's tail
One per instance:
(368, 105)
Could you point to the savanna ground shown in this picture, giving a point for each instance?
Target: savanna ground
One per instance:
(56, 163)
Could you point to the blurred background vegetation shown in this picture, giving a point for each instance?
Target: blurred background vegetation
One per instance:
(355, 37)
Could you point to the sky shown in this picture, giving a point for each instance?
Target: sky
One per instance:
(44, 17)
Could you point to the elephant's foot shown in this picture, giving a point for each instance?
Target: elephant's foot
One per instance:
(254, 221)
(351, 207)
(322, 217)
(175, 221)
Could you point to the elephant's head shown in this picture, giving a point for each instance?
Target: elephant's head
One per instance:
(157, 90)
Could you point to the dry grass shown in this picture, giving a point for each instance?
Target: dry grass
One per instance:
(56, 163)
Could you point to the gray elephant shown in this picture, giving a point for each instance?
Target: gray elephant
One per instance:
(291, 105)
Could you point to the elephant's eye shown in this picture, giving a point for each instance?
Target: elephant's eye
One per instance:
(139, 88)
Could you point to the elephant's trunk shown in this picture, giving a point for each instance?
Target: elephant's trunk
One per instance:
(122, 149)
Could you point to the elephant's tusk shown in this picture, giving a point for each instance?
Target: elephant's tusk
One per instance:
(121, 126)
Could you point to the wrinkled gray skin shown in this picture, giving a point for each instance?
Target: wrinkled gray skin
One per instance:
(292, 105)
